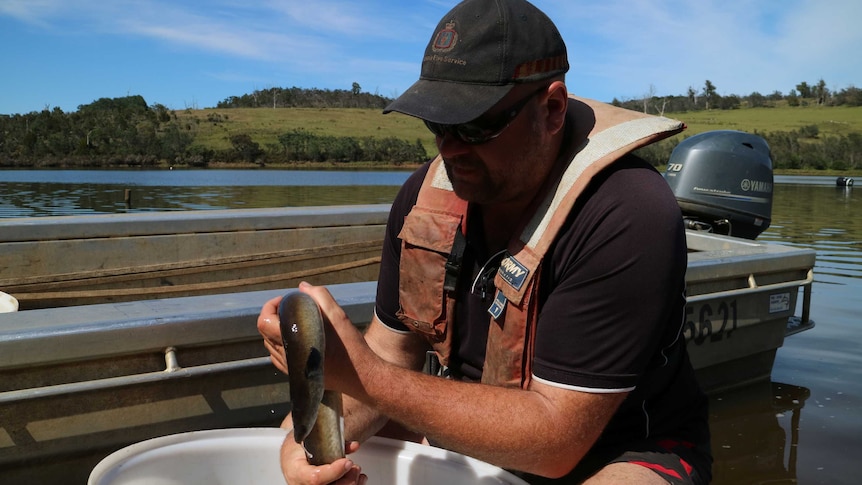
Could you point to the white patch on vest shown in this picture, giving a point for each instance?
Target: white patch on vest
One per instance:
(441, 179)
(599, 146)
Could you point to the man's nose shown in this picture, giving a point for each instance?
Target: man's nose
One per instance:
(449, 145)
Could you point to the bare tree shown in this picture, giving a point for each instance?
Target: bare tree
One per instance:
(648, 97)
(660, 111)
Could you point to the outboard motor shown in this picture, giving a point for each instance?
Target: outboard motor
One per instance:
(723, 182)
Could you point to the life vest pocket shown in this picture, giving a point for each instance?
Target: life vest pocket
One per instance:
(427, 239)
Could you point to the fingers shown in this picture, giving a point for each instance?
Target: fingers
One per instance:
(269, 329)
(330, 309)
(267, 321)
(351, 447)
(297, 471)
(354, 475)
(276, 355)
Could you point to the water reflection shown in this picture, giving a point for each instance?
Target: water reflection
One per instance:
(755, 433)
(24, 199)
(825, 219)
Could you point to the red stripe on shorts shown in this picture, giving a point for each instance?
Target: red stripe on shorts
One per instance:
(658, 468)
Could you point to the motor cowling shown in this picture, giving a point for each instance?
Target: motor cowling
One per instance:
(723, 182)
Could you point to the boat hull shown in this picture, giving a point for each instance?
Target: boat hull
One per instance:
(742, 301)
(81, 260)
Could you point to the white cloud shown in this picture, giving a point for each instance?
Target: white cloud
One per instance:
(29, 11)
(331, 17)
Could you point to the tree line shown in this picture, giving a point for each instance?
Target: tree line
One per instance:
(109, 131)
(804, 148)
(303, 146)
(708, 98)
(127, 132)
(306, 98)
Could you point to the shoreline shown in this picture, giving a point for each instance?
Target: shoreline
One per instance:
(347, 166)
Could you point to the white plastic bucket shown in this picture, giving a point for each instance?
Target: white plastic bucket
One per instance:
(251, 456)
(8, 303)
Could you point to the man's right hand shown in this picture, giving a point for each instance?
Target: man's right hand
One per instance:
(297, 470)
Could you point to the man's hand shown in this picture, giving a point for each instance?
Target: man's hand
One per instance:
(346, 347)
(297, 471)
(268, 326)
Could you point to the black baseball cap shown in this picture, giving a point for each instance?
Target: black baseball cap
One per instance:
(480, 50)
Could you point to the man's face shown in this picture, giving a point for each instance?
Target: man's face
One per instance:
(510, 166)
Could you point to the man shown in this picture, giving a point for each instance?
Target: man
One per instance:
(543, 265)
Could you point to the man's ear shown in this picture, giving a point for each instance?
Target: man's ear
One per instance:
(557, 103)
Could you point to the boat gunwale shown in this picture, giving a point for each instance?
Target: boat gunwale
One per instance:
(92, 226)
(715, 256)
(88, 332)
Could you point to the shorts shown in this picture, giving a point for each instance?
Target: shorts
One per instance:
(678, 462)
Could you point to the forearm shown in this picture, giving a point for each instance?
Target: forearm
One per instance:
(360, 420)
(512, 428)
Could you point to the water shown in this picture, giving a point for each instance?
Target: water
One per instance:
(37, 193)
(807, 424)
(206, 178)
(803, 427)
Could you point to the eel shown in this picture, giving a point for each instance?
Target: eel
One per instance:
(316, 412)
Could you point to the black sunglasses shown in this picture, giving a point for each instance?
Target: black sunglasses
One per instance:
(482, 130)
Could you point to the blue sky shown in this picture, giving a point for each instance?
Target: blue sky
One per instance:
(195, 53)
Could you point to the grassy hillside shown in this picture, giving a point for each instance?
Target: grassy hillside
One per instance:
(264, 125)
(215, 126)
(830, 120)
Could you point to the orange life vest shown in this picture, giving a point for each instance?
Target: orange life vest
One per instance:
(432, 238)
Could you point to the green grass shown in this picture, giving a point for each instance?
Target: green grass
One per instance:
(838, 120)
(830, 121)
(215, 126)
(264, 125)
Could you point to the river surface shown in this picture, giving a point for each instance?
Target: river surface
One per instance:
(805, 426)
(36, 193)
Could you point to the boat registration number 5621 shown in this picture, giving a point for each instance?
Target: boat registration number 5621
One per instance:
(713, 321)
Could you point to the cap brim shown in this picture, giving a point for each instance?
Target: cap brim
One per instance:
(448, 103)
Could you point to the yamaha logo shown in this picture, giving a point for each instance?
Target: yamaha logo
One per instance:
(756, 186)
